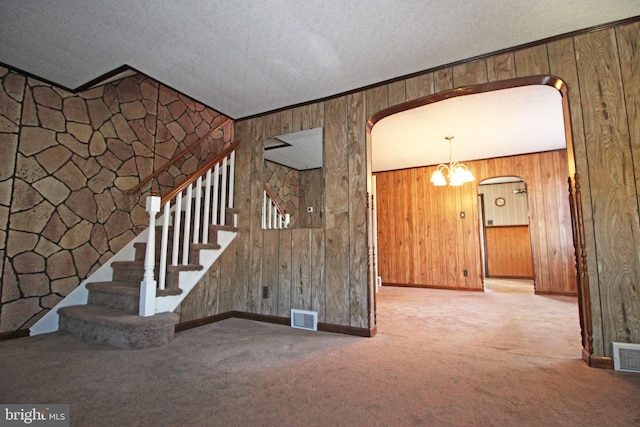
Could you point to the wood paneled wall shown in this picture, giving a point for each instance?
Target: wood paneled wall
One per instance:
(311, 195)
(508, 252)
(322, 269)
(601, 70)
(423, 241)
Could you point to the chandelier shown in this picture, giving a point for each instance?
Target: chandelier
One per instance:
(456, 173)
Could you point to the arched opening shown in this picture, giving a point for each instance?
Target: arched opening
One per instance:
(460, 262)
(505, 235)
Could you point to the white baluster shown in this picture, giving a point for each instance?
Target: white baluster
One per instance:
(264, 209)
(196, 218)
(223, 196)
(187, 226)
(207, 206)
(232, 175)
(162, 274)
(177, 214)
(148, 285)
(216, 193)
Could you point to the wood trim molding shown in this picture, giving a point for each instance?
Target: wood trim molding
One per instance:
(546, 80)
(407, 285)
(323, 327)
(19, 333)
(557, 294)
(599, 362)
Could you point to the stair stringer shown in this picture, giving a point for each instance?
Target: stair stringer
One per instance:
(189, 279)
(79, 296)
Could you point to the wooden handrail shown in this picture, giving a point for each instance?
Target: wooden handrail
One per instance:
(275, 202)
(176, 158)
(194, 176)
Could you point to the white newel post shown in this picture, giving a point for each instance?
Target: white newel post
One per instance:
(148, 284)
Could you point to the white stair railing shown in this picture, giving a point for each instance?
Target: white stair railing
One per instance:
(190, 213)
(273, 217)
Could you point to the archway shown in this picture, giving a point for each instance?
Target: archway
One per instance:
(568, 159)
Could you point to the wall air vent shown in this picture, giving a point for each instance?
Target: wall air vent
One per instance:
(303, 319)
(626, 357)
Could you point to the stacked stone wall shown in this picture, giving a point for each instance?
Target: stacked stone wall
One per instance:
(67, 162)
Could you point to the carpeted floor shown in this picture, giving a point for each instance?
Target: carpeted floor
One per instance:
(441, 358)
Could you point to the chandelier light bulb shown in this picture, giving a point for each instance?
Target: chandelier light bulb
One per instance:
(456, 173)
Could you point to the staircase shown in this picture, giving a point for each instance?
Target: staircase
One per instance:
(111, 313)
(130, 309)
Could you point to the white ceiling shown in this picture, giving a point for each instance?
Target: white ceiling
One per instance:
(245, 57)
(298, 150)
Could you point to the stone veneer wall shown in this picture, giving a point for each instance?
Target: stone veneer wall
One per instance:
(66, 163)
(284, 184)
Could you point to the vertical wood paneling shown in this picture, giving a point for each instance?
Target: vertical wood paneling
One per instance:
(254, 285)
(417, 243)
(397, 93)
(235, 297)
(562, 62)
(316, 115)
(383, 204)
(612, 184)
(501, 67)
(285, 271)
(419, 86)
(356, 122)
(442, 80)
(564, 223)
(286, 121)
(270, 263)
(552, 223)
(629, 50)
(317, 273)
(337, 212)
(409, 205)
(628, 38)
(301, 269)
(509, 252)
(271, 125)
(471, 73)
(531, 61)
(471, 236)
(297, 119)
(227, 278)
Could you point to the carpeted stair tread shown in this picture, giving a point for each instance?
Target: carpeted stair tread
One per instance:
(108, 316)
(122, 296)
(115, 287)
(113, 327)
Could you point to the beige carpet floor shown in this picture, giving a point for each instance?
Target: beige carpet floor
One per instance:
(441, 358)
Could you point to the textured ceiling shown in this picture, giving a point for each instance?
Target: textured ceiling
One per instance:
(248, 57)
